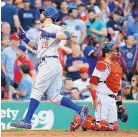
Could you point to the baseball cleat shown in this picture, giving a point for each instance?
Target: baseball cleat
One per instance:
(83, 114)
(22, 124)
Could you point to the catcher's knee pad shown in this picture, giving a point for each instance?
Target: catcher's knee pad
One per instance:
(101, 125)
(89, 123)
(76, 123)
(113, 126)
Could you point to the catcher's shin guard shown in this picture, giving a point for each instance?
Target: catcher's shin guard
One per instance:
(89, 123)
(76, 123)
(101, 125)
(113, 126)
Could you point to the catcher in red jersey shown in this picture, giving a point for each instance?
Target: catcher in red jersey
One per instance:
(105, 85)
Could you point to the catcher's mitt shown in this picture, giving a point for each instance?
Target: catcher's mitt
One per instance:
(122, 113)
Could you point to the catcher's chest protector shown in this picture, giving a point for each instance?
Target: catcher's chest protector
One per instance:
(114, 77)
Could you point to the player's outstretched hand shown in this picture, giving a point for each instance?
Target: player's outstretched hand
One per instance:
(21, 34)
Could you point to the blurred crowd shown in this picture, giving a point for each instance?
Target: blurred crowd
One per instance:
(92, 23)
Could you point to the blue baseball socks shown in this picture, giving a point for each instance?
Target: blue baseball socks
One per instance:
(70, 104)
(64, 102)
(32, 107)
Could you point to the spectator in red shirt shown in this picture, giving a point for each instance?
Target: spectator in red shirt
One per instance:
(82, 12)
(63, 51)
(22, 59)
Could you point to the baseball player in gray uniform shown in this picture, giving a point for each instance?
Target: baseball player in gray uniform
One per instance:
(49, 77)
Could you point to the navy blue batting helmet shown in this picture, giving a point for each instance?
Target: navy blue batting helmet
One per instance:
(109, 47)
(50, 12)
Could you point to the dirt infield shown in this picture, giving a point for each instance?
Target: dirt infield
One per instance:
(69, 133)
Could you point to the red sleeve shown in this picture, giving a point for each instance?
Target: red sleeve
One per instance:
(60, 50)
(16, 61)
(64, 53)
(31, 65)
(94, 80)
(93, 93)
(100, 66)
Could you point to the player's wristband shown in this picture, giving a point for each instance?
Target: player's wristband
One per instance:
(67, 34)
(26, 40)
(93, 93)
(119, 103)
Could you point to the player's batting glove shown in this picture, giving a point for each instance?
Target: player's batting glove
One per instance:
(22, 36)
(122, 113)
(45, 34)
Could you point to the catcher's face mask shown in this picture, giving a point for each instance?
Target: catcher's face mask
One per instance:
(115, 52)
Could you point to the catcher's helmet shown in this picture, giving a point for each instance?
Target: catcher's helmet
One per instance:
(109, 47)
(50, 12)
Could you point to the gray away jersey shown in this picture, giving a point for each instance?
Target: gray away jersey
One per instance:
(48, 46)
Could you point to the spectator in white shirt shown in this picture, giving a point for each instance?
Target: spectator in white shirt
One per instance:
(83, 83)
(76, 25)
(102, 10)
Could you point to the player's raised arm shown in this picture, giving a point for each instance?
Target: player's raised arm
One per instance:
(23, 37)
(63, 35)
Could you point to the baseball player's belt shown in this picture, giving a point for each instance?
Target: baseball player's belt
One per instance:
(102, 81)
(112, 96)
(44, 58)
